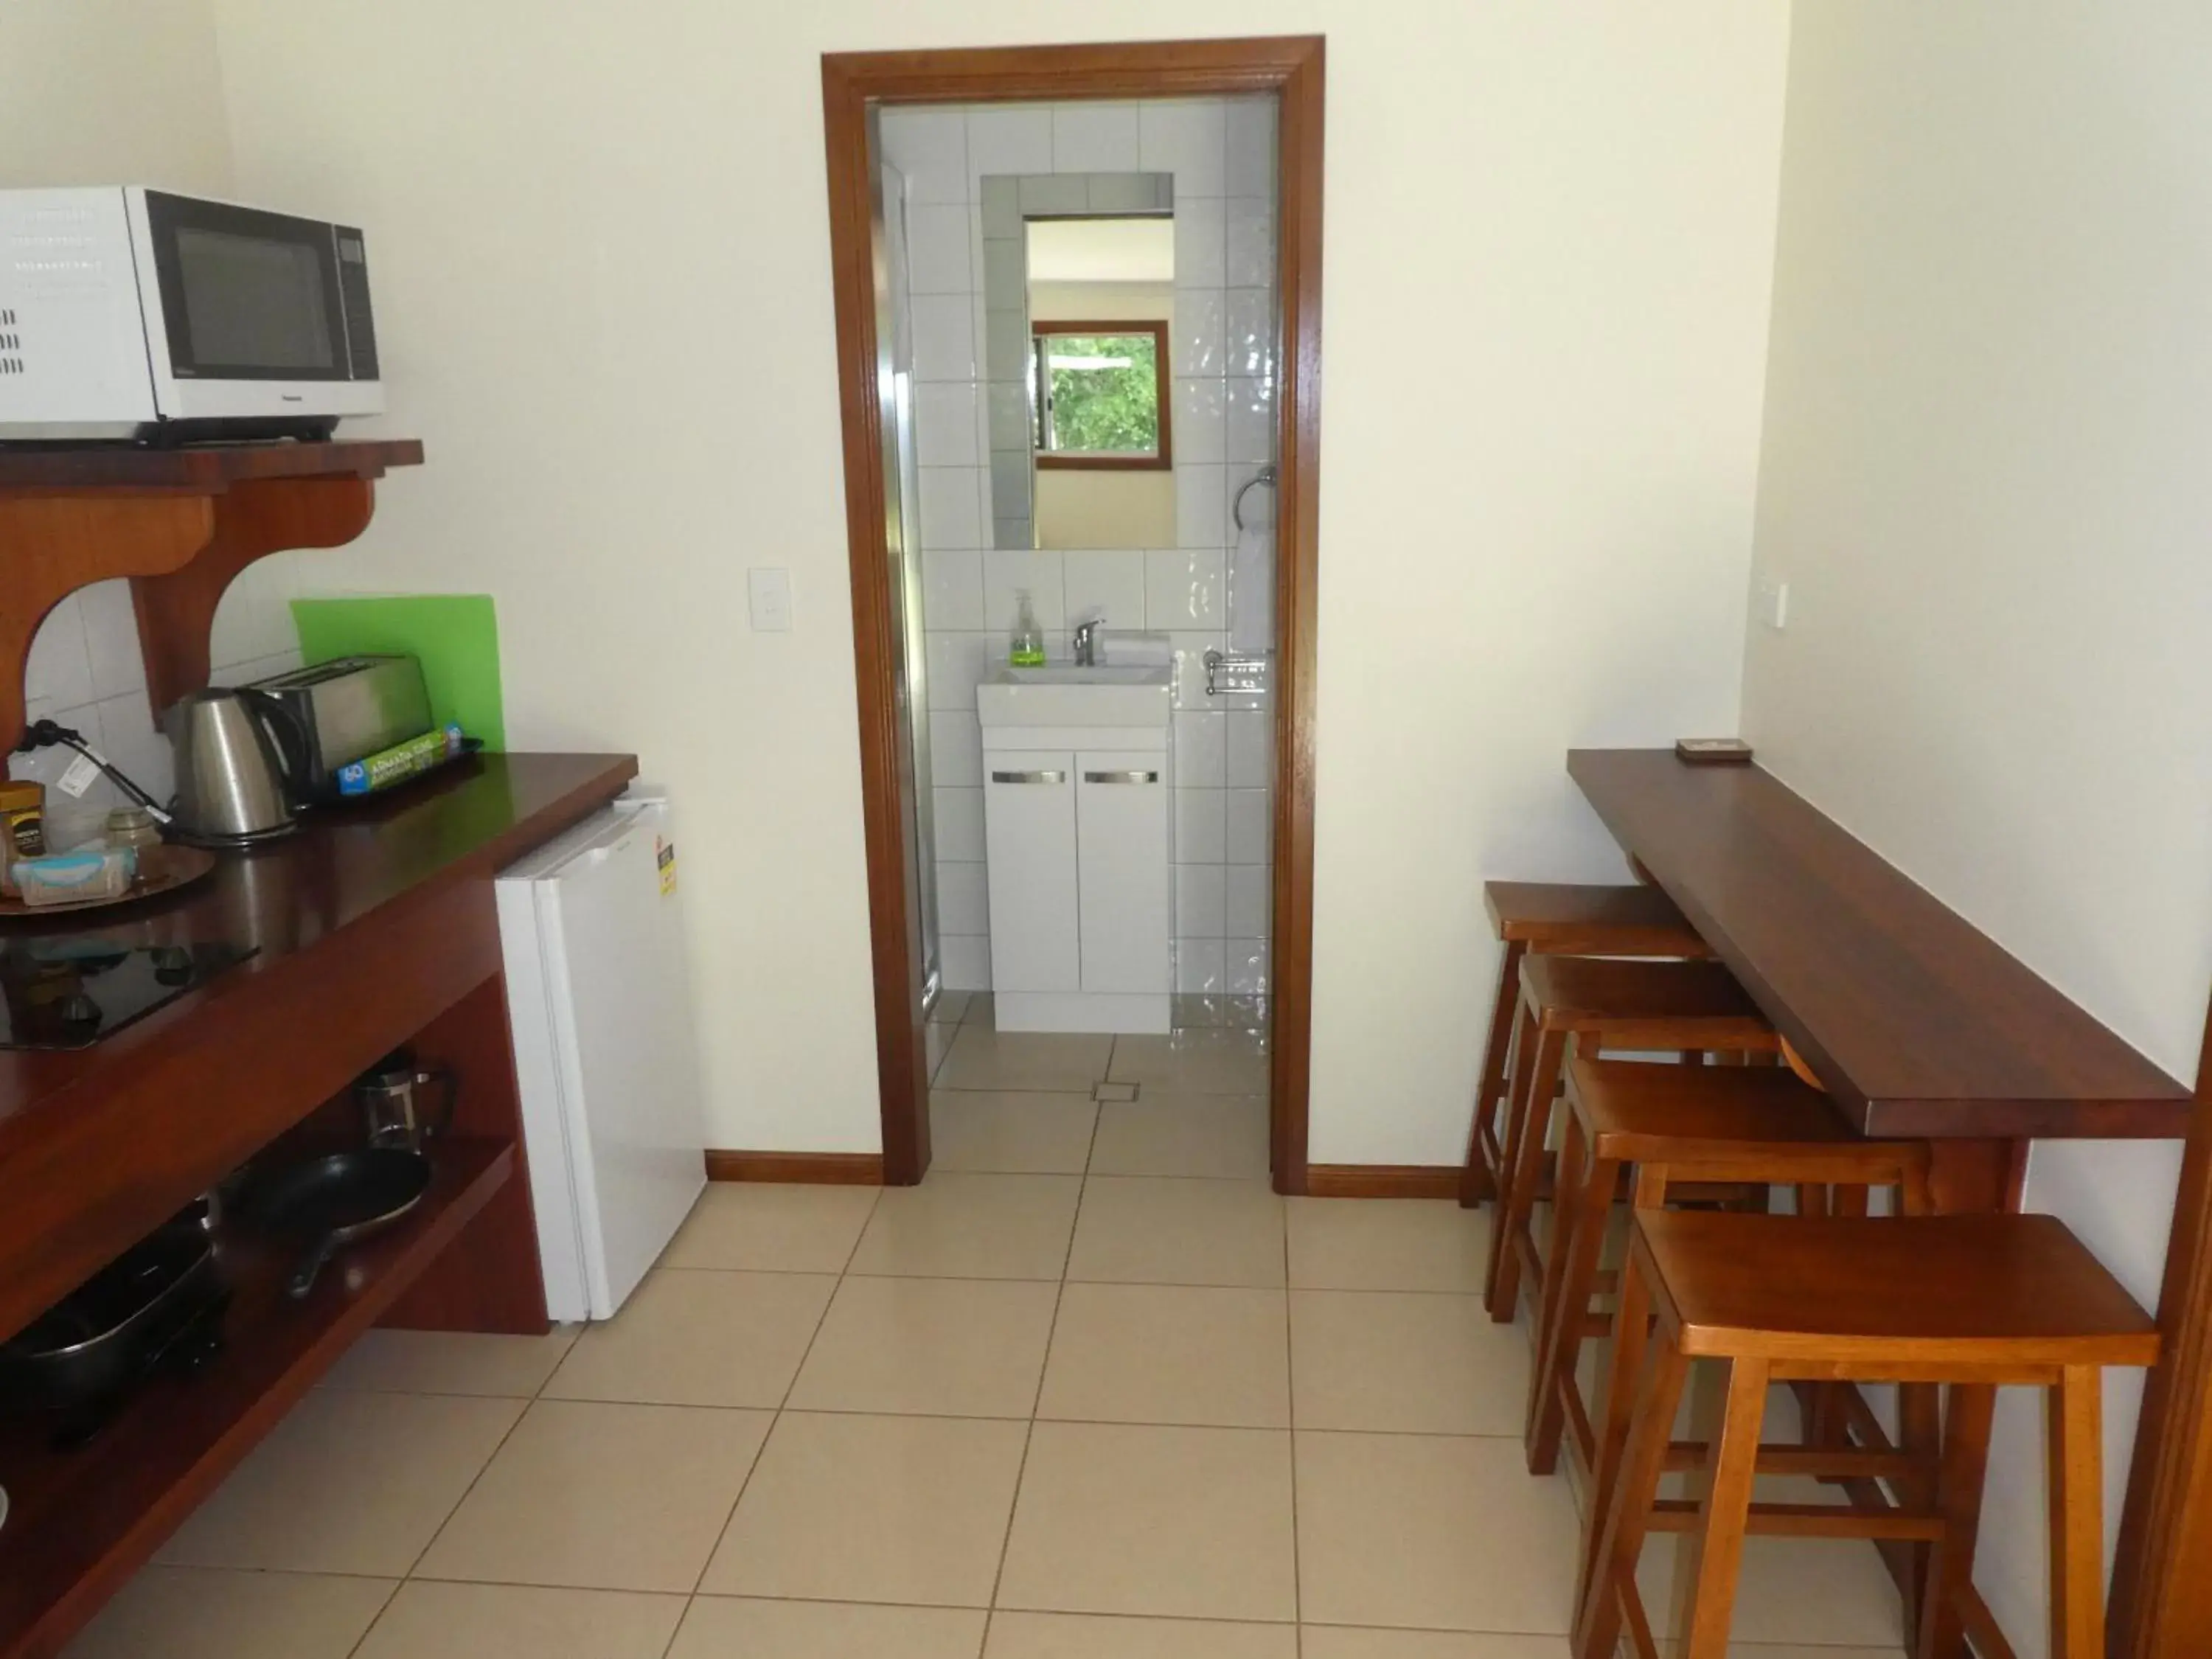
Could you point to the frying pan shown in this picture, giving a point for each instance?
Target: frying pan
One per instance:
(333, 1200)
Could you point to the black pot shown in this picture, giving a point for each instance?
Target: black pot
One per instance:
(103, 1336)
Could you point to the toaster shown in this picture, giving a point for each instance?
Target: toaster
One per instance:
(342, 710)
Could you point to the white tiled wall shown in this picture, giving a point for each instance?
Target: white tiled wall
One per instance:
(1221, 154)
(86, 672)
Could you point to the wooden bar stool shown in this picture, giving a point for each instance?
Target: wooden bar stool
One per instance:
(1974, 1302)
(1756, 1126)
(1547, 918)
(1694, 1008)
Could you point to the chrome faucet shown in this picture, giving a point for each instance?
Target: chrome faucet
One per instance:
(1086, 642)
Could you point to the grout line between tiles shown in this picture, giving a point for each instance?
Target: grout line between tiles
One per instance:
(776, 1417)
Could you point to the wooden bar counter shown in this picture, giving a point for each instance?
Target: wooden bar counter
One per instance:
(1917, 1023)
(372, 928)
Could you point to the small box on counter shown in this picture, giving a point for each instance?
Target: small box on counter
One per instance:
(1712, 752)
(399, 763)
(88, 873)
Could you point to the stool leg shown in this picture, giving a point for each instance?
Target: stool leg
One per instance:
(1716, 1547)
(1631, 1335)
(1528, 1123)
(2076, 1451)
(1958, 1500)
(1475, 1185)
(1617, 1530)
(1570, 1268)
(1920, 1436)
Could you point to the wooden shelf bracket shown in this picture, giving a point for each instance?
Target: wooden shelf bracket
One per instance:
(176, 609)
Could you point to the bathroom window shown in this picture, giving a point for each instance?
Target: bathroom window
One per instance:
(1100, 394)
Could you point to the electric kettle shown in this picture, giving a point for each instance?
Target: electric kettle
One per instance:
(231, 748)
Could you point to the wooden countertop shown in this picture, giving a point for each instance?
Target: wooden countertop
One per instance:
(1919, 1023)
(367, 923)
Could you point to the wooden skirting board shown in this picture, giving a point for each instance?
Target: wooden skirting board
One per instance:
(1382, 1180)
(866, 1170)
(809, 1168)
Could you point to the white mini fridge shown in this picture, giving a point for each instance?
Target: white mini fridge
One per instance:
(605, 1051)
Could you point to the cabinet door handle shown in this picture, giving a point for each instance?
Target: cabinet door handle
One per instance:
(1029, 777)
(1121, 777)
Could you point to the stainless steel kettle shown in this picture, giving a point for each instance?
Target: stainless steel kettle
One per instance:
(230, 747)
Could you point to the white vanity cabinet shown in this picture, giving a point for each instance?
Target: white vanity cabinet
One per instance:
(1030, 842)
(1077, 837)
(1123, 860)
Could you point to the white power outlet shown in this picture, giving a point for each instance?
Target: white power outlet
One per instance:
(1774, 603)
(768, 592)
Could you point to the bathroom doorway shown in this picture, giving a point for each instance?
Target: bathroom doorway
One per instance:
(1077, 305)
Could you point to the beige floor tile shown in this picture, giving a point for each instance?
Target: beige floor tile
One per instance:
(595, 1496)
(950, 1008)
(1148, 1229)
(984, 1057)
(451, 1362)
(972, 1226)
(1194, 1063)
(873, 1509)
(1326, 1642)
(1000, 1133)
(193, 1613)
(936, 1044)
(981, 1009)
(718, 1627)
(429, 1620)
(1811, 1592)
(1433, 1534)
(347, 1483)
(1168, 1134)
(1169, 1353)
(1084, 1635)
(1411, 1362)
(1174, 1522)
(957, 1347)
(694, 1338)
(772, 1227)
(1386, 1244)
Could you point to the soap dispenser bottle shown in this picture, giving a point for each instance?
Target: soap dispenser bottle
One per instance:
(1028, 648)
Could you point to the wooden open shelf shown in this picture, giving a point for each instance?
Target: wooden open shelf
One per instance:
(181, 524)
(81, 1523)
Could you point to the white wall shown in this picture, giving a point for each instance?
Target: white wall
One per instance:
(113, 91)
(600, 243)
(1984, 484)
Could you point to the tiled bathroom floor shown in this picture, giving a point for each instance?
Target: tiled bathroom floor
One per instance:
(1091, 1391)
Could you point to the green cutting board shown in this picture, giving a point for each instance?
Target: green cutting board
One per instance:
(455, 636)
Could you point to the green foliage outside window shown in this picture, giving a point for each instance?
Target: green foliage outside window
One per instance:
(1102, 394)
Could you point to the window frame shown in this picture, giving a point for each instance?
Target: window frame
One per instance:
(1055, 461)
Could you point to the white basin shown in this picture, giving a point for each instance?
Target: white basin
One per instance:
(1063, 694)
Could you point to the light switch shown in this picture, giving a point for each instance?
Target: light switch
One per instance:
(1774, 604)
(769, 593)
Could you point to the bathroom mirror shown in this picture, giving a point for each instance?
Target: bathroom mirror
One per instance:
(1080, 319)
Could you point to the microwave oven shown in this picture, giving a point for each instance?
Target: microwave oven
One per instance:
(135, 314)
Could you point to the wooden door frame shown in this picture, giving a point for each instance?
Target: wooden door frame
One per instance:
(1291, 67)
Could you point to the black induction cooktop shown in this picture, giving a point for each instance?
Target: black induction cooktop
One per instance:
(71, 991)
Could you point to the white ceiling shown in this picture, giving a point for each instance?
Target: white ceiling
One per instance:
(1102, 250)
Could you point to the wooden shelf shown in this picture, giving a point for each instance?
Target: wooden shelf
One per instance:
(180, 522)
(1919, 1024)
(207, 470)
(81, 1523)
